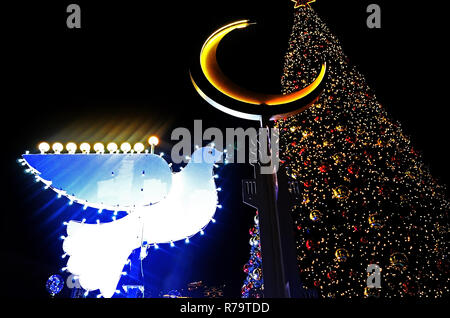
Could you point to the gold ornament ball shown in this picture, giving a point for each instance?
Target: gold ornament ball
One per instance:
(305, 199)
(306, 133)
(360, 131)
(375, 221)
(315, 215)
(257, 273)
(372, 292)
(399, 261)
(341, 192)
(341, 128)
(338, 157)
(341, 255)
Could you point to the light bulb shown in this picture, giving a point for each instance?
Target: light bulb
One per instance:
(57, 147)
(153, 141)
(71, 147)
(112, 147)
(44, 147)
(99, 148)
(139, 147)
(85, 147)
(125, 147)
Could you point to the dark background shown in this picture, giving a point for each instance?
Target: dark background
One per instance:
(124, 76)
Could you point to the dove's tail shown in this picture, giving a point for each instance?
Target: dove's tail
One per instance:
(98, 252)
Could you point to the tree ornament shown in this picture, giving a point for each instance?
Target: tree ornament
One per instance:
(307, 133)
(410, 288)
(341, 255)
(375, 221)
(324, 168)
(360, 130)
(353, 169)
(341, 128)
(305, 199)
(315, 215)
(399, 261)
(341, 193)
(350, 139)
(332, 275)
(310, 245)
(372, 292)
(338, 157)
(257, 273)
(254, 240)
(54, 284)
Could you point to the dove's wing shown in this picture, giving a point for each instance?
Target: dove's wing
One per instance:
(98, 252)
(104, 181)
(188, 208)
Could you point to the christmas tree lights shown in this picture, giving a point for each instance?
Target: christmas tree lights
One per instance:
(367, 197)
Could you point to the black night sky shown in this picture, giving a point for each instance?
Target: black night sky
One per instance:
(125, 74)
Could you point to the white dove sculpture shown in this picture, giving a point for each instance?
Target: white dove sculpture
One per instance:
(179, 205)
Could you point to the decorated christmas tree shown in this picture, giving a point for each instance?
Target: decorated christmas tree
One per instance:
(253, 285)
(367, 197)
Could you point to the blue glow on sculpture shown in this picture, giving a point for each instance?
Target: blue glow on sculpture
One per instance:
(105, 180)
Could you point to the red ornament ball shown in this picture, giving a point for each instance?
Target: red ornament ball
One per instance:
(310, 245)
(324, 168)
(331, 275)
(410, 288)
(353, 169)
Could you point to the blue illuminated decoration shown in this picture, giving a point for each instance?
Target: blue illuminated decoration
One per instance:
(161, 206)
(54, 284)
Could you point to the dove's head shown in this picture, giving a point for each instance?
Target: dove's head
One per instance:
(208, 155)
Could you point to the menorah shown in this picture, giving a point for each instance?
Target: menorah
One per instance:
(161, 206)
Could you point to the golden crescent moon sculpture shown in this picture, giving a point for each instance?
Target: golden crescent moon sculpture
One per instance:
(222, 83)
